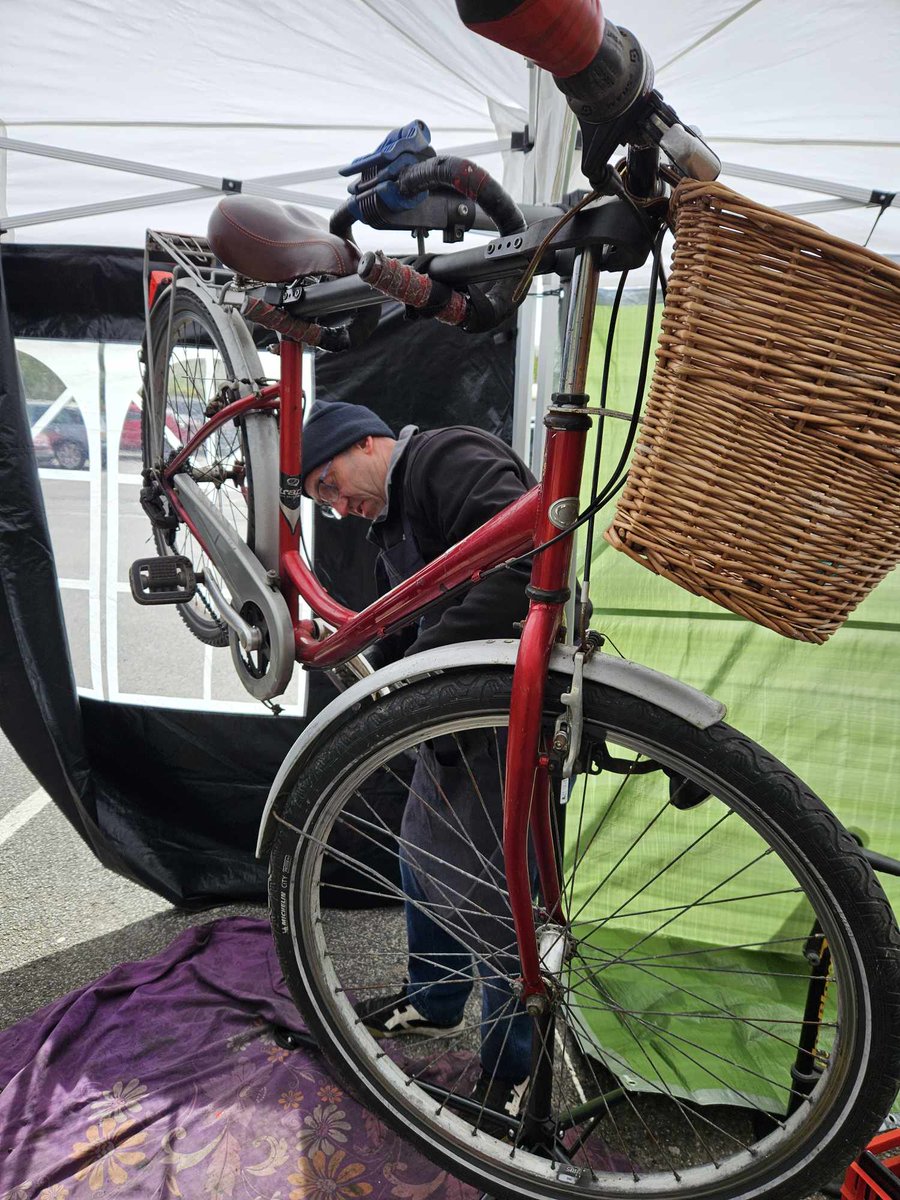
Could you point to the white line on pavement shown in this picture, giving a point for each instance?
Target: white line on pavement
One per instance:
(22, 814)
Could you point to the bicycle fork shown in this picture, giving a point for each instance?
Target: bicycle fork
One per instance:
(526, 802)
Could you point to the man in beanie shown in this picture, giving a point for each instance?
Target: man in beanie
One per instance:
(423, 492)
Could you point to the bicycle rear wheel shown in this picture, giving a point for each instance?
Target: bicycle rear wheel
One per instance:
(671, 1064)
(197, 362)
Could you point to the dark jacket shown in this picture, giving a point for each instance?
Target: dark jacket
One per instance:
(443, 484)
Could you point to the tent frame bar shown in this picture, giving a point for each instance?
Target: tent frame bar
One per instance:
(845, 191)
(203, 185)
(275, 186)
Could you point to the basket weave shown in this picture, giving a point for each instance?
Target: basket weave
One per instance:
(767, 471)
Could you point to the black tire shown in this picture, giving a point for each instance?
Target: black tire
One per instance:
(71, 456)
(190, 369)
(746, 874)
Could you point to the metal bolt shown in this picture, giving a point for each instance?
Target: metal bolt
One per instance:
(560, 742)
(535, 1005)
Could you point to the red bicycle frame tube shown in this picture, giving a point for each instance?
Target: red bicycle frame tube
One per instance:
(508, 534)
(252, 403)
(289, 449)
(526, 800)
(520, 527)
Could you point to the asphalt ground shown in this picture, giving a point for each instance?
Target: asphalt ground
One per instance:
(66, 920)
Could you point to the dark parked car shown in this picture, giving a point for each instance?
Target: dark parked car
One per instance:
(63, 442)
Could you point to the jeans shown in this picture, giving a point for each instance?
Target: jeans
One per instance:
(440, 982)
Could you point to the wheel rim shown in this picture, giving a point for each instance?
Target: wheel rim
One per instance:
(69, 456)
(696, 1153)
(197, 371)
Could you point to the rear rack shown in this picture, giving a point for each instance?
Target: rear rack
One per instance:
(187, 254)
(188, 251)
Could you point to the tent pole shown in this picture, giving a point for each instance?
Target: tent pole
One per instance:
(4, 211)
(204, 185)
(522, 407)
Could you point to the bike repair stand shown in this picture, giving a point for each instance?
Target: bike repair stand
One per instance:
(867, 1169)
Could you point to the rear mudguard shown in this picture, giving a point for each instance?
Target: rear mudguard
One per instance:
(678, 698)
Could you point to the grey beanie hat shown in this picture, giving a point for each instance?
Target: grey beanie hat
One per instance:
(334, 426)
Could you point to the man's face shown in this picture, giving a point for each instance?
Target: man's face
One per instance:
(353, 483)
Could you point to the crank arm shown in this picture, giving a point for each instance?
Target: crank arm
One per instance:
(247, 582)
(248, 635)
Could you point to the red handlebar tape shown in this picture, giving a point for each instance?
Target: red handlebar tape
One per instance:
(409, 286)
(562, 36)
(276, 318)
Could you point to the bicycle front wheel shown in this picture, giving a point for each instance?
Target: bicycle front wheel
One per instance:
(197, 365)
(723, 999)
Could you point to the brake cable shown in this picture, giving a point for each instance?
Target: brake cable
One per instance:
(615, 483)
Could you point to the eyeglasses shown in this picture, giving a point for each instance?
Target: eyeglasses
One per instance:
(326, 490)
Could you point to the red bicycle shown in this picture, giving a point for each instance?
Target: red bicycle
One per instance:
(706, 965)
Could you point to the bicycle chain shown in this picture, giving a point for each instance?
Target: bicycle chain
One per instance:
(209, 608)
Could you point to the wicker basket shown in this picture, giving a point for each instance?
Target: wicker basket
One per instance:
(767, 471)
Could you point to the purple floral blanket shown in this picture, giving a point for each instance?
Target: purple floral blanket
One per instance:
(163, 1080)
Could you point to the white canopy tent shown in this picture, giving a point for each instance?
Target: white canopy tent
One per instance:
(186, 94)
(177, 96)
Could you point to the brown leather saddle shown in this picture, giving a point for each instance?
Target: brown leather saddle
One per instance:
(274, 243)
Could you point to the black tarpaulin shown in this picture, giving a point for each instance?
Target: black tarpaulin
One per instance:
(88, 292)
(39, 710)
(420, 373)
(172, 798)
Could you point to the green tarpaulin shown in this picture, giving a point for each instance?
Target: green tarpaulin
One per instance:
(832, 713)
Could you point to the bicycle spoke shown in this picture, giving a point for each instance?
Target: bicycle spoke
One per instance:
(622, 858)
(489, 821)
(459, 830)
(360, 824)
(721, 1014)
(698, 1115)
(653, 878)
(394, 889)
(676, 1012)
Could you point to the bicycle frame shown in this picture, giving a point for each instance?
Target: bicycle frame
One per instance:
(536, 518)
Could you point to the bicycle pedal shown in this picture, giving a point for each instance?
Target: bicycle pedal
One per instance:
(166, 580)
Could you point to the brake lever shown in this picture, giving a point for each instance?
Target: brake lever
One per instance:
(375, 196)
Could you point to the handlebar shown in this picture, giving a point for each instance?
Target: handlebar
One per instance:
(612, 228)
(403, 282)
(607, 79)
(603, 71)
(479, 310)
(468, 180)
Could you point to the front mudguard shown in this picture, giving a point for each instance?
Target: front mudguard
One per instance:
(677, 698)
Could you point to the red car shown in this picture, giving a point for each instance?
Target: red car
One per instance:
(130, 441)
